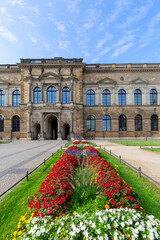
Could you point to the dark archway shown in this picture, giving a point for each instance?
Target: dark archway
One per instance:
(66, 131)
(37, 131)
(52, 128)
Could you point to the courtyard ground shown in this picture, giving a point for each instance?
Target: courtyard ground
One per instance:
(20, 156)
(148, 161)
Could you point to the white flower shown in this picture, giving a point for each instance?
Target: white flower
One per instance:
(93, 225)
(98, 231)
(106, 237)
(122, 224)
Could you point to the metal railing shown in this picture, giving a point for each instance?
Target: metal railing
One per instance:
(138, 170)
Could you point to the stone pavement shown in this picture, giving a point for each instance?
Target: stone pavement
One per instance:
(20, 156)
(148, 161)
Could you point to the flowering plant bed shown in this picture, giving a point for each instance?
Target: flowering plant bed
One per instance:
(81, 179)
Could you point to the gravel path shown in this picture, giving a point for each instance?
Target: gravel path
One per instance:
(20, 156)
(148, 161)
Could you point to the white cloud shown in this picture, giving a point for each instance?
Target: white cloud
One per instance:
(137, 14)
(125, 39)
(73, 5)
(34, 40)
(21, 3)
(22, 17)
(95, 59)
(121, 50)
(60, 26)
(83, 39)
(33, 9)
(63, 44)
(105, 51)
(92, 16)
(5, 13)
(50, 4)
(27, 21)
(102, 41)
(9, 36)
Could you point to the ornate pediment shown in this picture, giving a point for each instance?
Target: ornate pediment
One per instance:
(49, 75)
(107, 81)
(138, 81)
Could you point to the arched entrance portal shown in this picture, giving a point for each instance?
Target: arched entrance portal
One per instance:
(52, 127)
(36, 131)
(66, 131)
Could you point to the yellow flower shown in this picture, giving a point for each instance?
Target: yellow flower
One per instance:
(22, 218)
(56, 217)
(107, 206)
(23, 202)
(74, 213)
(19, 233)
(14, 238)
(15, 233)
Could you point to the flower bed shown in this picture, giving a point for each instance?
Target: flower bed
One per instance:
(107, 224)
(81, 175)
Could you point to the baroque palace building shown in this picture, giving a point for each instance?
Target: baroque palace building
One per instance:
(54, 98)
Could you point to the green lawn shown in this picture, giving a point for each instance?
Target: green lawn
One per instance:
(152, 150)
(139, 143)
(149, 193)
(11, 207)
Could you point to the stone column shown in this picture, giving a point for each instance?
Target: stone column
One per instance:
(71, 90)
(29, 86)
(42, 126)
(59, 127)
(29, 124)
(72, 125)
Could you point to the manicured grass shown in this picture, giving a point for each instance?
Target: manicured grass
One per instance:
(139, 143)
(152, 150)
(70, 143)
(148, 192)
(11, 207)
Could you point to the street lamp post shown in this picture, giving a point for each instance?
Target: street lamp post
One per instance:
(145, 127)
(11, 135)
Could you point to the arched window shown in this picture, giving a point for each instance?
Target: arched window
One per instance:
(154, 122)
(1, 98)
(107, 123)
(37, 95)
(138, 123)
(106, 98)
(91, 123)
(16, 98)
(153, 97)
(121, 97)
(51, 95)
(122, 123)
(16, 124)
(90, 98)
(1, 123)
(66, 95)
(137, 97)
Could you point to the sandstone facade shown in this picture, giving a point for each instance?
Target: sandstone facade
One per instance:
(57, 118)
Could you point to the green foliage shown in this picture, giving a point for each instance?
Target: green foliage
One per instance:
(152, 150)
(84, 186)
(138, 143)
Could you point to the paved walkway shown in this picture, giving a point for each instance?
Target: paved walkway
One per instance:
(148, 161)
(20, 156)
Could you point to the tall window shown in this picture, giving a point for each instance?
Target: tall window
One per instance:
(122, 123)
(153, 97)
(121, 97)
(37, 95)
(106, 98)
(51, 95)
(137, 97)
(91, 123)
(16, 124)
(107, 123)
(138, 123)
(66, 95)
(16, 98)
(154, 122)
(1, 123)
(1, 98)
(90, 98)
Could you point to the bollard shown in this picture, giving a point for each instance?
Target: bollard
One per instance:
(139, 172)
(52, 154)
(110, 152)
(140, 146)
(61, 147)
(104, 149)
(151, 149)
(27, 175)
(120, 158)
(44, 161)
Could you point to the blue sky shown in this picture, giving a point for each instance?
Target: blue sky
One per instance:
(99, 31)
